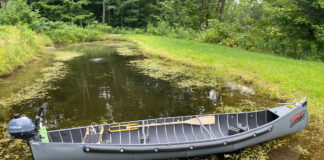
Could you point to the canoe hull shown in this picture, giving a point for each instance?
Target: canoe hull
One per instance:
(278, 128)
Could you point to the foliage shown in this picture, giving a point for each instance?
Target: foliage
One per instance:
(163, 29)
(19, 45)
(61, 32)
(279, 27)
(298, 25)
(100, 27)
(217, 32)
(12, 149)
(186, 9)
(63, 10)
(126, 13)
(258, 152)
(18, 12)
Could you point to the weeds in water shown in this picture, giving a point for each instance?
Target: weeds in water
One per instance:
(260, 151)
(279, 77)
(12, 148)
(15, 149)
(181, 76)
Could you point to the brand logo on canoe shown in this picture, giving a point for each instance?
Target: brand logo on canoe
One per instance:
(297, 118)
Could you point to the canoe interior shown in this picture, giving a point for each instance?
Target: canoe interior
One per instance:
(177, 133)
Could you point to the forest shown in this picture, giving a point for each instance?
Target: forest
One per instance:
(274, 48)
(291, 28)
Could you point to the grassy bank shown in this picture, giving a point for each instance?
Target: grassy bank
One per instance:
(279, 77)
(18, 46)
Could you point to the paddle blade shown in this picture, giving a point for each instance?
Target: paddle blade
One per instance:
(206, 120)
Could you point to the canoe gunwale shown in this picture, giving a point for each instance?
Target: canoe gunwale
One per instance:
(226, 138)
(189, 116)
(174, 147)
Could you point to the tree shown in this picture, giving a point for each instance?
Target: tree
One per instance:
(207, 12)
(2, 3)
(93, 9)
(200, 4)
(302, 21)
(181, 13)
(221, 8)
(18, 12)
(103, 12)
(63, 10)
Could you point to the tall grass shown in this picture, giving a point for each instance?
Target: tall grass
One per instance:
(18, 46)
(67, 33)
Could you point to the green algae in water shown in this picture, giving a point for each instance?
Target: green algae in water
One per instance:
(100, 86)
(38, 89)
(16, 149)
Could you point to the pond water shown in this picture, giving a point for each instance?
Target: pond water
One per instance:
(101, 87)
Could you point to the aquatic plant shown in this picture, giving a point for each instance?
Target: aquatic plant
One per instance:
(16, 149)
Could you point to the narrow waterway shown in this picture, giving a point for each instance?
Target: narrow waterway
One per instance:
(101, 87)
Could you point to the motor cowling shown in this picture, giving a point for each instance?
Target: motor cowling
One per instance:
(21, 127)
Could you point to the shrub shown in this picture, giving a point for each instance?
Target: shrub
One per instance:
(163, 29)
(100, 27)
(19, 13)
(61, 32)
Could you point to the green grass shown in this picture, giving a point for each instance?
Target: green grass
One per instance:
(280, 77)
(277, 76)
(18, 46)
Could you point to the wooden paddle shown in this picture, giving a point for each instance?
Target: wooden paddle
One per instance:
(206, 120)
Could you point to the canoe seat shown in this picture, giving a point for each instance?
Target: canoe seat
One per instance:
(91, 136)
(238, 129)
(242, 127)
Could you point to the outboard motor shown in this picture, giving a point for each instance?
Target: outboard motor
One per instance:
(21, 127)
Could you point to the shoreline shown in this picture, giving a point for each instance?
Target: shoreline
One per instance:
(168, 50)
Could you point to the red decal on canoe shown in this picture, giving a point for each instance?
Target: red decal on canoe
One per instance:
(294, 118)
(302, 113)
(297, 118)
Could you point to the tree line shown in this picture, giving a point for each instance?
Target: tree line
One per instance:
(293, 28)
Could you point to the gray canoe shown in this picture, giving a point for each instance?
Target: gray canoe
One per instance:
(226, 134)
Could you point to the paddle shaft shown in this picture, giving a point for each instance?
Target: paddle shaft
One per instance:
(206, 120)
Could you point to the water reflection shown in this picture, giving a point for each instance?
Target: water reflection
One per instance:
(213, 97)
(111, 91)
